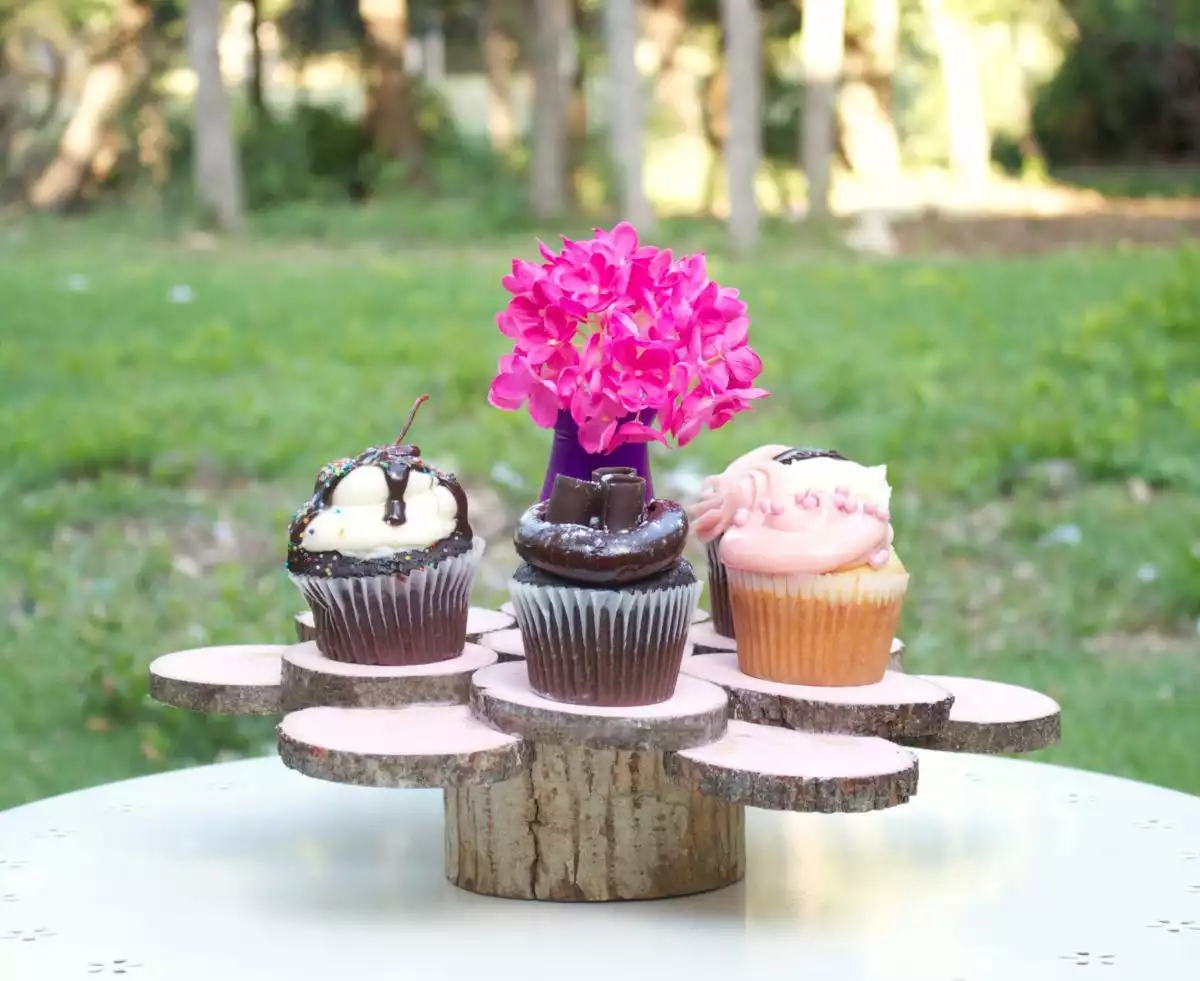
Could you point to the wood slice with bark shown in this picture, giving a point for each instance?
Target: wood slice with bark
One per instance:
(781, 770)
(481, 621)
(306, 628)
(240, 679)
(590, 825)
(694, 715)
(993, 717)
(508, 644)
(413, 747)
(310, 679)
(899, 706)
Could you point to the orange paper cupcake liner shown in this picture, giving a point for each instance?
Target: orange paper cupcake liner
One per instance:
(828, 630)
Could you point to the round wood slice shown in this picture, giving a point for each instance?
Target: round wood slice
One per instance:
(781, 770)
(507, 644)
(705, 640)
(700, 616)
(481, 621)
(900, 705)
(992, 717)
(694, 715)
(306, 629)
(310, 678)
(417, 746)
(242, 679)
(509, 609)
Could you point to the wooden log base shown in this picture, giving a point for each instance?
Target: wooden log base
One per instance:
(242, 679)
(993, 717)
(310, 679)
(693, 716)
(480, 621)
(705, 640)
(901, 705)
(418, 746)
(585, 825)
(781, 770)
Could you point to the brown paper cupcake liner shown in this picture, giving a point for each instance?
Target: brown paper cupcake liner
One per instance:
(417, 618)
(830, 630)
(601, 646)
(718, 591)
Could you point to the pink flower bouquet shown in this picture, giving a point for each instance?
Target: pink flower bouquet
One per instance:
(636, 345)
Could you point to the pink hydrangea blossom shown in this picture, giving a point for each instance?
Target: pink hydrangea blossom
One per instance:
(637, 345)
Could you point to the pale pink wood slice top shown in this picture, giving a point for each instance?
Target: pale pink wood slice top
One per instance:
(700, 616)
(899, 705)
(306, 628)
(783, 770)
(694, 715)
(704, 638)
(413, 747)
(508, 644)
(311, 679)
(509, 609)
(241, 679)
(994, 717)
(481, 621)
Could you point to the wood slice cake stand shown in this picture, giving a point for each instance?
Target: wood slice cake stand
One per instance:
(547, 800)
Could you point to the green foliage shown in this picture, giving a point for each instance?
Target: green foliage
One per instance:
(1118, 391)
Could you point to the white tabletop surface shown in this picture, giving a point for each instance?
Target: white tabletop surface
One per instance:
(997, 871)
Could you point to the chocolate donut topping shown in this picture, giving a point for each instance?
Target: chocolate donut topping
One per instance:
(602, 531)
(798, 453)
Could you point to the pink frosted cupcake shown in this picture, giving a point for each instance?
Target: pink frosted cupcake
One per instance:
(805, 541)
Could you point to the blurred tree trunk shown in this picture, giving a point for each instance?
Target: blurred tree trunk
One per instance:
(498, 57)
(743, 147)
(257, 101)
(627, 115)
(110, 79)
(217, 171)
(575, 67)
(970, 143)
(868, 129)
(391, 115)
(549, 151)
(822, 42)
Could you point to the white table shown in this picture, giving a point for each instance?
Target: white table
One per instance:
(999, 870)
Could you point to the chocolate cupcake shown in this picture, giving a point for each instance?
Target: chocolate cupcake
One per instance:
(384, 554)
(604, 598)
(718, 580)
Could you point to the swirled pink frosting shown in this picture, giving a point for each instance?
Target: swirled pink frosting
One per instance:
(772, 518)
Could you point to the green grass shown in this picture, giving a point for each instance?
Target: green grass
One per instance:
(153, 452)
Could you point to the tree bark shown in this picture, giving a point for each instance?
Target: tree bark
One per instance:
(217, 171)
(743, 147)
(591, 826)
(549, 190)
(498, 56)
(627, 123)
(391, 115)
(822, 42)
(109, 81)
(970, 143)
(868, 130)
(257, 100)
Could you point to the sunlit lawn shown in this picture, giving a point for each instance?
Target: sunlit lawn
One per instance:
(153, 450)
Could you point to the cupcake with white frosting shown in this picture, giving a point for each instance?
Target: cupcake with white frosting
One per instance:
(384, 554)
(804, 538)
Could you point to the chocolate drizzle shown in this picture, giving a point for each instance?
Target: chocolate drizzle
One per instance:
(798, 453)
(602, 531)
(398, 461)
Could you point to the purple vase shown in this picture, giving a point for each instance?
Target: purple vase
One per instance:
(568, 457)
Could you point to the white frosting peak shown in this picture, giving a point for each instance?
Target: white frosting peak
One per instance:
(824, 473)
(353, 522)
